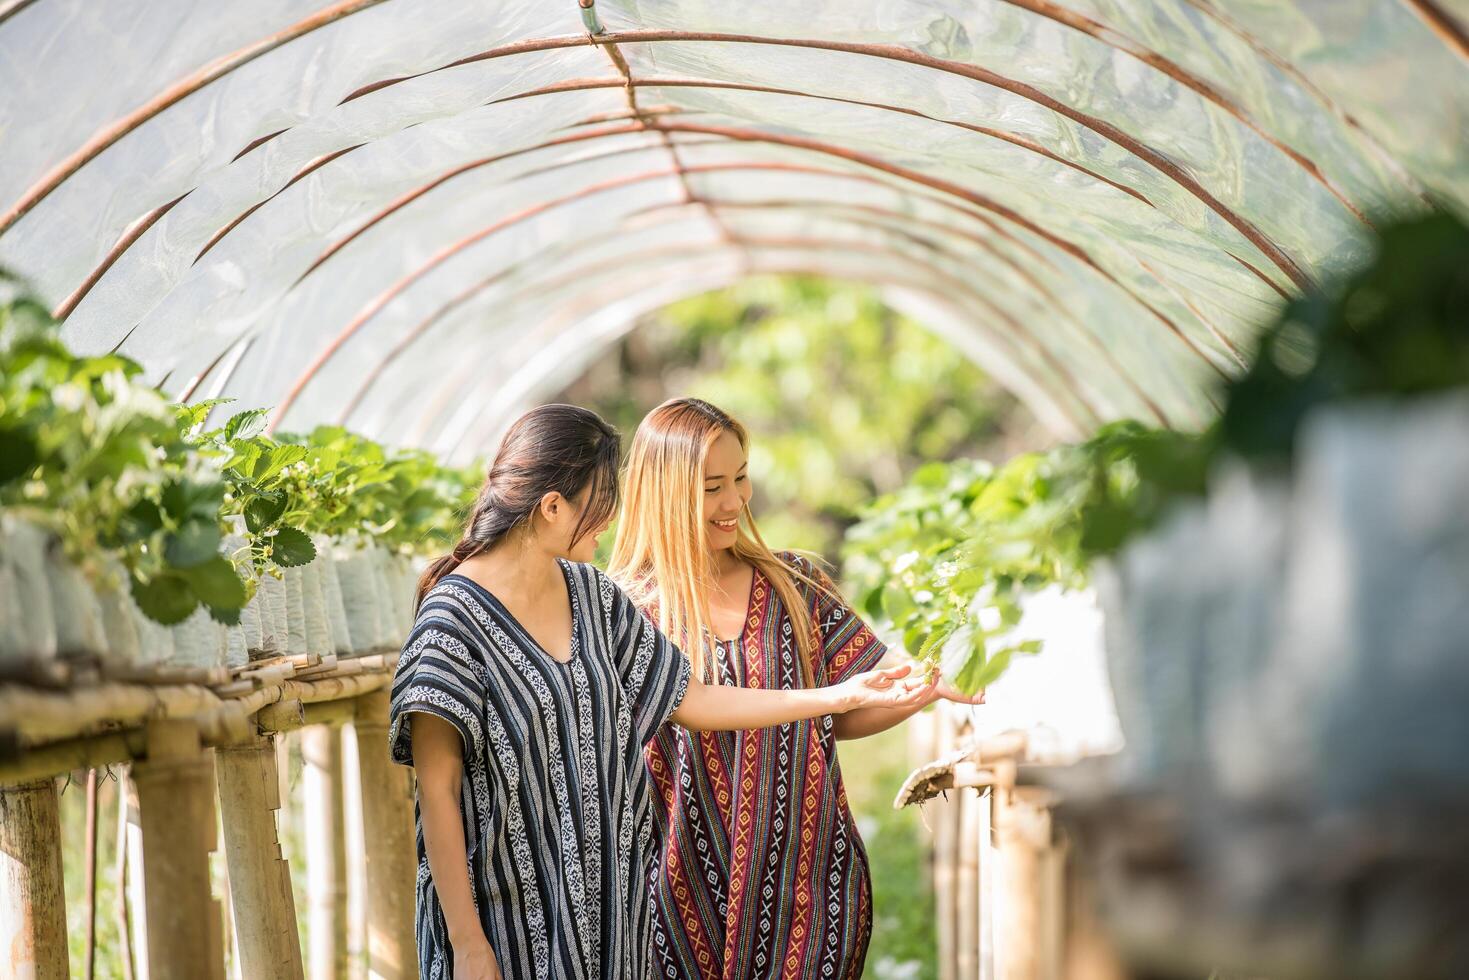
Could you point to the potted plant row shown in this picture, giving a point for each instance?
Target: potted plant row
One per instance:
(135, 537)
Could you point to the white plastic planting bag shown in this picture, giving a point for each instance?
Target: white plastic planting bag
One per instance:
(272, 595)
(295, 612)
(117, 615)
(1375, 655)
(79, 631)
(196, 641)
(359, 597)
(30, 625)
(331, 593)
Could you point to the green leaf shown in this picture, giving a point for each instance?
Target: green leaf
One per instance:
(18, 454)
(980, 670)
(187, 499)
(244, 455)
(165, 599)
(216, 584)
(196, 542)
(247, 424)
(262, 512)
(142, 520)
(226, 617)
(277, 459)
(291, 547)
(934, 645)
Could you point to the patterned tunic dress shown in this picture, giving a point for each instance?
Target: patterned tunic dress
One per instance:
(762, 873)
(557, 807)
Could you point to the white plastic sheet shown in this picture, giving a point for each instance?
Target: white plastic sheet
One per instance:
(413, 217)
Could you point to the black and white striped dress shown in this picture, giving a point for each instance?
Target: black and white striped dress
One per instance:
(556, 799)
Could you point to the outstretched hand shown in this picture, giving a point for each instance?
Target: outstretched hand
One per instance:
(944, 691)
(888, 687)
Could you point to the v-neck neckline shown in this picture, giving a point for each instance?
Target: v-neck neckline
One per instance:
(504, 612)
(745, 619)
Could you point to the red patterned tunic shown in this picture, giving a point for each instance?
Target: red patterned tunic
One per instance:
(762, 873)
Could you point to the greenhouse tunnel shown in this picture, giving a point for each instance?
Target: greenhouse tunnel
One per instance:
(412, 217)
(415, 219)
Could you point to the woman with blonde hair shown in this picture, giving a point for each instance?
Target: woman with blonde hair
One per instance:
(762, 872)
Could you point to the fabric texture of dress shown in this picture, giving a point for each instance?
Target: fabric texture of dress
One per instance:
(762, 873)
(557, 806)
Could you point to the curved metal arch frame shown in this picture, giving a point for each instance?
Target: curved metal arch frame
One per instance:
(1041, 397)
(1025, 345)
(378, 303)
(865, 219)
(1444, 27)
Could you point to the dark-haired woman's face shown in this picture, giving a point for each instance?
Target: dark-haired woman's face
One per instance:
(561, 526)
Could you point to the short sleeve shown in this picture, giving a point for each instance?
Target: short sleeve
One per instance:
(655, 673)
(438, 675)
(848, 645)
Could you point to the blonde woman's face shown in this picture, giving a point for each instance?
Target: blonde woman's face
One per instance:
(726, 491)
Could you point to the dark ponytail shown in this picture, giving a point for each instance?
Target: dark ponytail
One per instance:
(552, 449)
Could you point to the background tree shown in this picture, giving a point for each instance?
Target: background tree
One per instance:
(845, 398)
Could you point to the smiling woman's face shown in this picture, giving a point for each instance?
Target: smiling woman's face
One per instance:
(726, 491)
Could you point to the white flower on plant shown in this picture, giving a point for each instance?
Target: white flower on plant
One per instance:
(922, 596)
(990, 619)
(69, 396)
(905, 561)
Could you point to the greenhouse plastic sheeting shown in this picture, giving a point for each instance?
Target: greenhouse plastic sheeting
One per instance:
(415, 217)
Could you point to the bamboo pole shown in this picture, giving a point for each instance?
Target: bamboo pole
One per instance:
(388, 829)
(1023, 836)
(356, 857)
(124, 923)
(41, 716)
(326, 852)
(967, 898)
(944, 814)
(90, 885)
(135, 907)
(176, 795)
(260, 882)
(32, 896)
(987, 863)
(1053, 908)
(1088, 953)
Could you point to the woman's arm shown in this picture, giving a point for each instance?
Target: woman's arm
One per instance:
(869, 721)
(439, 759)
(708, 708)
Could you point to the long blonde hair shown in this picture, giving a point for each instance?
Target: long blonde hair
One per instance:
(661, 559)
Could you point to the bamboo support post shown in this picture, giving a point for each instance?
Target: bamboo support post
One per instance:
(124, 921)
(1023, 834)
(356, 857)
(1088, 953)
(944, 814)
(176, 804)
(326, 852)
(90, 885)
(260, 879)
(388, 829)
(966, 881)
(134, 907)
(32, 899)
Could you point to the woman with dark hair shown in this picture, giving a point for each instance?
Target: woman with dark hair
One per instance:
(524, 698)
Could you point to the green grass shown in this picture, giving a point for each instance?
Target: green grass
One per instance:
(904, 941)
